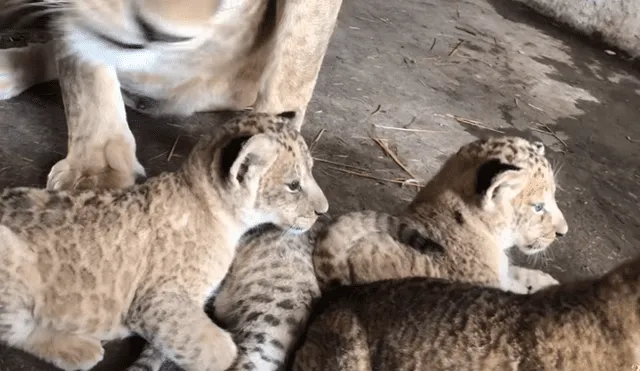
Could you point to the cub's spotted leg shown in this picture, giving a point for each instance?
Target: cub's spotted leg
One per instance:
(527, 281)
(298, 53)
(22, 68)
(101, 148)
(180, 329)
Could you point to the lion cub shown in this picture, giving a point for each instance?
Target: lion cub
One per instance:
(489, 196)
(84, 267)
(264, 300)
(431, 324)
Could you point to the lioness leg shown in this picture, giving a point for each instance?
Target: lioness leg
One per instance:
(101, 148)
(302, 36)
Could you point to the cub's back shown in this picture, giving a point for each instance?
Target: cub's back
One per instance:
(426, 323)
(266, 297)
(397, 324)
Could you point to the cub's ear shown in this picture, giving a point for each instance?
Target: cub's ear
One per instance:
(498, 182)
(291, 118)
(246, 159)
(539, 148)
(288, 115)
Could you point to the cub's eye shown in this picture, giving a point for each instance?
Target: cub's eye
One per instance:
(294, 186)
(538, 207)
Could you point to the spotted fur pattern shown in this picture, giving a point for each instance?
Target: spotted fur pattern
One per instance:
(440, 325)
(264, 300)
(489, 196)
(85, 267)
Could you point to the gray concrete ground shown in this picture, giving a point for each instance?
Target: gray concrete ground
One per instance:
(414, 65)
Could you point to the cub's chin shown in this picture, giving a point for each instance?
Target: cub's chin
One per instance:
(533, 248)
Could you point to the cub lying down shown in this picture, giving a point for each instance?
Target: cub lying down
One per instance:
(491, 195)
(436, 325)
(80, 268)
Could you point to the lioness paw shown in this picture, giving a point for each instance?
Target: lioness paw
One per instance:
(114, 167)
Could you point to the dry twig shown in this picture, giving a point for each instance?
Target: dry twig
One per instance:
(455, 48)
(339, 164)
(316, 139)
(463, 29)
(175, 143)
(535, 107)
(475, 123)
(158, 156)
(385, 148)
(547, 130)
(406, 129)
(365, 19)
(433, 44)
(369, 176)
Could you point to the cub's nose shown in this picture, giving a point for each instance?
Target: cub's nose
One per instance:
(322, 207)
(562, 228)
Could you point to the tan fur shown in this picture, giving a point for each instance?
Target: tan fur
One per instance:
(264, 300)
(84, 267)
(468, 231)
(203, 55)
(417, 324)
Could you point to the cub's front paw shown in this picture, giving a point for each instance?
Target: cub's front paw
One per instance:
(116, 167)
(531, 280)
(539, 280)
(79, 354)
(225, 353)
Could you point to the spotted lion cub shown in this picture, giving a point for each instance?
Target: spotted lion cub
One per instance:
(491, 195)
(264, 300)
(84, 267)
(422, 323)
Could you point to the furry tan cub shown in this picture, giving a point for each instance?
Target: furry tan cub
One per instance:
(80, 268)
(489, 196)
(417, 324)
(174, 57)
(264, 300)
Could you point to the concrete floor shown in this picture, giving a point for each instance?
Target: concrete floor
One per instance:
(396, 64)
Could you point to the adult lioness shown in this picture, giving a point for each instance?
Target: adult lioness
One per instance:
(186, 56)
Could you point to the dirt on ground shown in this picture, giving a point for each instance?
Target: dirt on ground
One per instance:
(423, 77)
